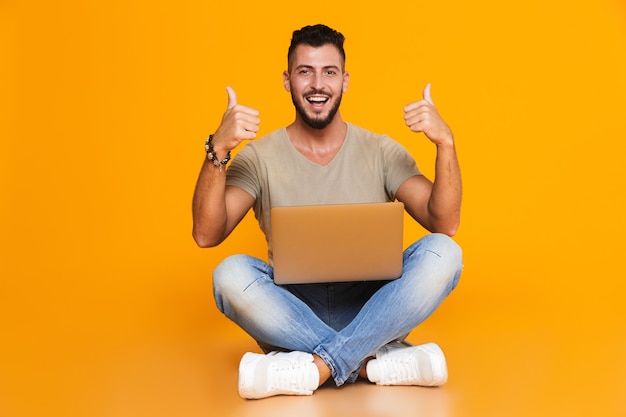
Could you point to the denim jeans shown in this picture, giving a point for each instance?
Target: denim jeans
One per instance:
(343, 323)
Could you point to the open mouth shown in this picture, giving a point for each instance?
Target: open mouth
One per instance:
(317, 100)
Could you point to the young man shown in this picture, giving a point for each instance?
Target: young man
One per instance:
(314, 332)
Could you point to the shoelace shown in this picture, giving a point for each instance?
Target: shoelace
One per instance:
(400, 369)
(287, 375)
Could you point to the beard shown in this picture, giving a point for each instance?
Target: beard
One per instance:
(318, 121)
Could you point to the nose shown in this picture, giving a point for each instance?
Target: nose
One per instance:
(317, 81)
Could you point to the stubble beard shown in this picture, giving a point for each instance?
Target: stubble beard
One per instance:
(317, 123)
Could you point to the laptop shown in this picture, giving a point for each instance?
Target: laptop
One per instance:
(337, 243)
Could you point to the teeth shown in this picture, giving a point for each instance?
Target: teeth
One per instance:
(317, 99)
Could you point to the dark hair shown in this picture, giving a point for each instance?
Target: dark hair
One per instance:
(316, 36)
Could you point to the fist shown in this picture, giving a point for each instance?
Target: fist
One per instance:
(239, 123)
(422, 116)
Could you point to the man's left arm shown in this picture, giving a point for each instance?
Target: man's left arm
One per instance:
(435, 205)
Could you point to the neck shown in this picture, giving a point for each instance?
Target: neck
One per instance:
(318, 145)
(304, 134)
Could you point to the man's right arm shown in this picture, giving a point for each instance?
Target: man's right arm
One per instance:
(217, 209)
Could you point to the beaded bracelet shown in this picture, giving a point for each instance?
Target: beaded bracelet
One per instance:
(210, 153)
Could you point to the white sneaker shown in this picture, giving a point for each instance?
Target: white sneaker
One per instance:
(399, 363)
(290, 373)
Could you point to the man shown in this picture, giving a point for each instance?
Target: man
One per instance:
(314, 332)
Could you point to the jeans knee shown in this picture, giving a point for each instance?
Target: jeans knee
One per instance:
(231, 277)
(452, 254)
(445, 247)
(222, 272)
(445, 261)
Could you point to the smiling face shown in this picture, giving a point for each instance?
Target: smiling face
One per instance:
(316, 81)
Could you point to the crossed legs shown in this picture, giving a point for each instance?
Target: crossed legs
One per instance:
(275, 317)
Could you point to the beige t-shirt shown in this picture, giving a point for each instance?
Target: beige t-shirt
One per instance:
(368, 168)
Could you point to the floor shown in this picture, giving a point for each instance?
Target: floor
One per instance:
(502, 362)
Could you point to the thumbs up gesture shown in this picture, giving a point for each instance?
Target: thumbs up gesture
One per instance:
(422, 116)
(239, 123)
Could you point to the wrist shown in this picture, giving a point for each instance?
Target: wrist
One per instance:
(446, 146)
(445, 143)
(215, 155)
(218, 143)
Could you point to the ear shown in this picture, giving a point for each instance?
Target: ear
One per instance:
(286, 81)
(346, 80)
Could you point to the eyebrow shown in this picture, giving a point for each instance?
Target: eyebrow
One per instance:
(312, 67)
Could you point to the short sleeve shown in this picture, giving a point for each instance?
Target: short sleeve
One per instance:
(398, 164)
(243, 172)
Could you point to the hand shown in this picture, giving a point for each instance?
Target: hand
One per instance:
(422, 116)
(238, 123)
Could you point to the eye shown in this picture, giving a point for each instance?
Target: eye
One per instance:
(330, 73)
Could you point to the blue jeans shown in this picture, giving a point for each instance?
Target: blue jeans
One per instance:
(343, 323)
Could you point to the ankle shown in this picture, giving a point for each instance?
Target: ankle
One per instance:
(363, 370)
(322, 368)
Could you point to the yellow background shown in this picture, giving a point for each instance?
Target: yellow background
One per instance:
(104, 108)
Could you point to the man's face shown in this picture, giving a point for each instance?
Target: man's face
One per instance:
(316, 82)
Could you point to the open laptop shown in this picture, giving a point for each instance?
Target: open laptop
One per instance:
(337, 243)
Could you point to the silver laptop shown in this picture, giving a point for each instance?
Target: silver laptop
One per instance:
(337, 243)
